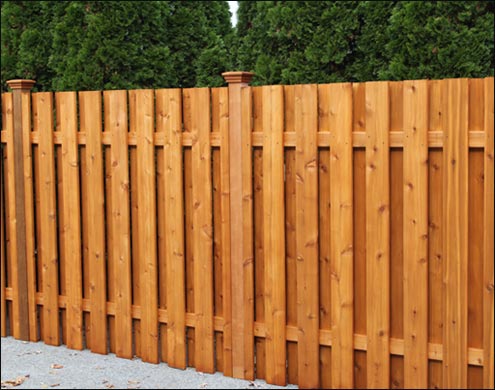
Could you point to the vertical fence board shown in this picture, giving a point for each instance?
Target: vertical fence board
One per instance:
(455, 100)
(218, 260)
(259, 249)
(170, 121)
(396, 235)
(475, 231)
(90, 122)
(29, 214)
(15, 253)
(341, 236)
(359, 218)
(202, 229)
(217, 239)
(6, 113)
(67, 118)
(247, 217)
(107, 156)
(325, 271)
(85, 248)
(475, 260)
(160, 226)
(223, 123)
(43, 123)
(135, 249)
(61, 222)
(259, 258)
(290, 233)
(396, 261)
(306, 124)
(415, 234)
(435, 234)
(115, 105)
(274, 235)
(488, 230)
(435, 262)
(189, 231)
(147, 224)
(377, 234)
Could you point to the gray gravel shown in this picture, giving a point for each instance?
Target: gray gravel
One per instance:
(42, 366)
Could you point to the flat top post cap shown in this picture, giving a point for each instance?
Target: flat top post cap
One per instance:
(237, 77)
(21, 84)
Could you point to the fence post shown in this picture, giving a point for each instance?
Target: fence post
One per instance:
(241, 242)
(20, 285)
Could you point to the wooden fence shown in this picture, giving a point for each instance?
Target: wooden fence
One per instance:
(331, 235)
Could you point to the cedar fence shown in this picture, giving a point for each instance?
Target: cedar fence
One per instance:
(331, 235)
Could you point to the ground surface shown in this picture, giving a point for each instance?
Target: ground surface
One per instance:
(38, 366)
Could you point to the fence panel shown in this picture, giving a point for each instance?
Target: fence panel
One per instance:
(361, 215)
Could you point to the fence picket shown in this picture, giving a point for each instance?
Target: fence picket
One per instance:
(43, 123)
(147, 224)
(29, 214)
(290, 233)
(455, 214)
(115, 104)
(377, 234)
(435, 236)
(341, 235)
(91, 124)
(416, 234)
(202, 229)
(259, 252)
(274, 237)
(169, 104)
(225, 229)
(488, 305)
(306, 124)
(67, 118)
(6, 124)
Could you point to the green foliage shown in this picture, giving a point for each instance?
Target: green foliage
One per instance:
(293, 42)
(453, 39)
(25, 42)
(78, 45)
(153, 44)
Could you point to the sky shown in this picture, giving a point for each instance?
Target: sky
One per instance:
(233, 9)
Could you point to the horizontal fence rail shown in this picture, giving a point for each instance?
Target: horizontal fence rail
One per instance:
(333, 235)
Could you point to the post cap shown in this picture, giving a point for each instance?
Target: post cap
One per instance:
(237, 77)
(21, 84)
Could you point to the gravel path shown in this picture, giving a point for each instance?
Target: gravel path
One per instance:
(40, 366)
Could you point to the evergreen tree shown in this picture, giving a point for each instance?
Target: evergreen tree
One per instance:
(440, 39)
(77, 45)
(318, 41)
(115, 44)
(153, 44)
(25, 42)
